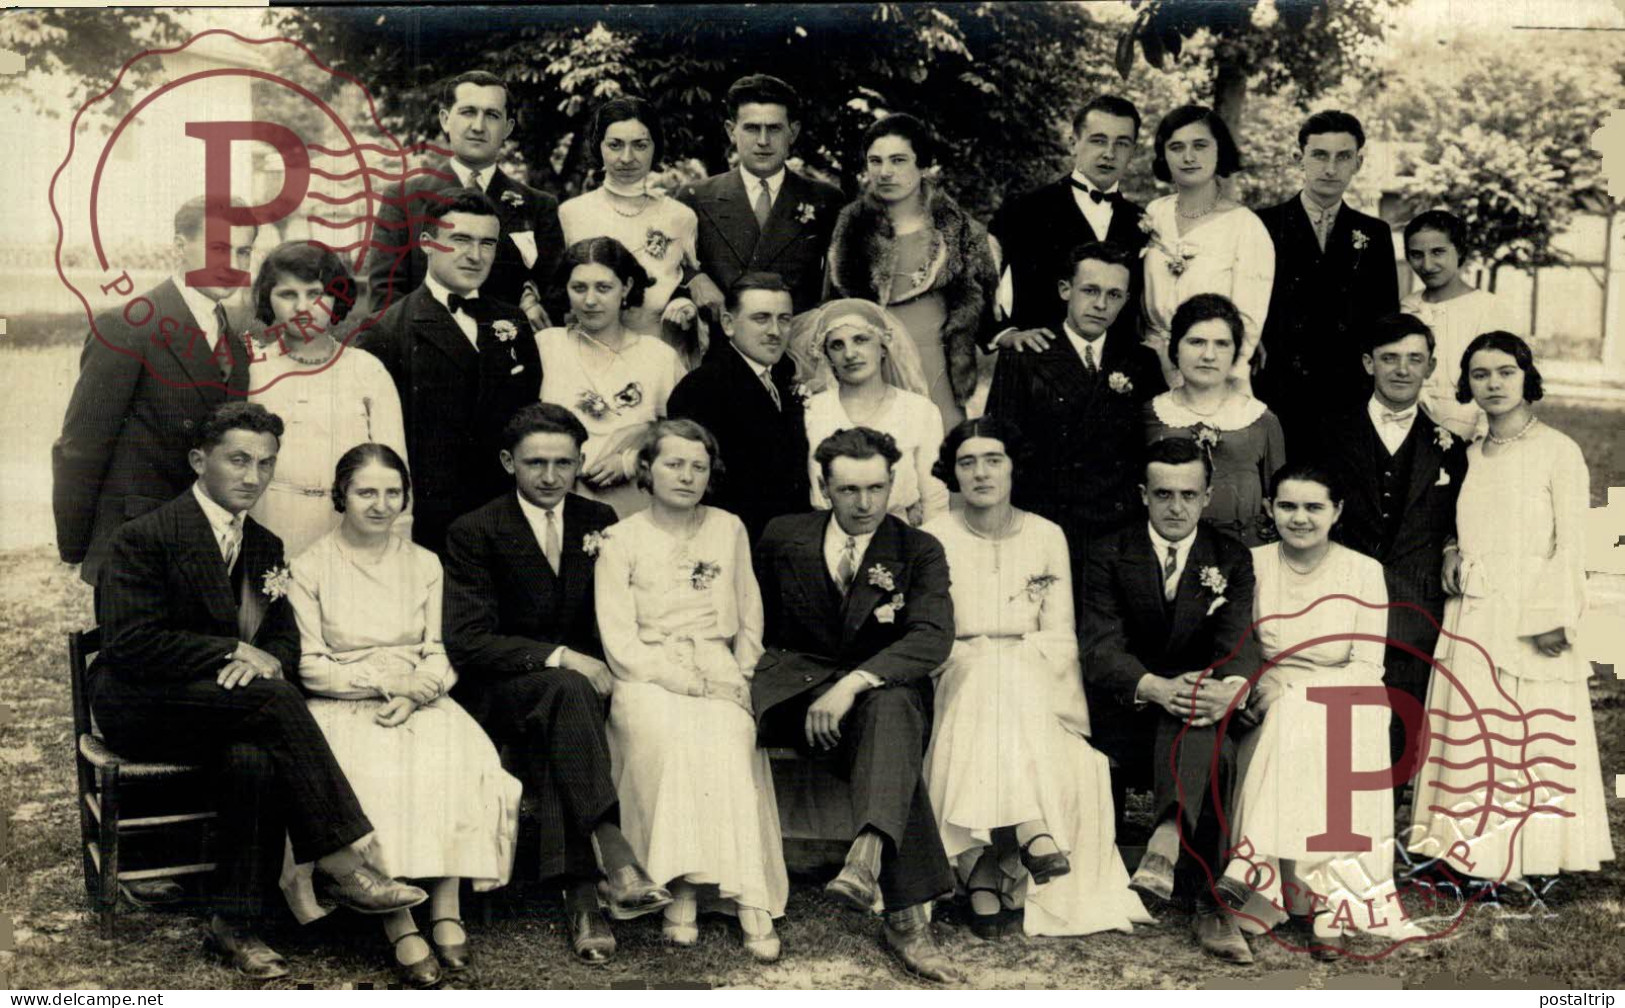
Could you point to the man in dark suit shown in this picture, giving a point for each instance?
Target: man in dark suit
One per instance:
(1080, 401)
(476, 120)
(148, 376)
(521, 630)
(858, 616)
(746, 396)
(1334, 276)
(1401, 473)
(1167, 651)
(1036, 230)
(761, 216)
(199, 643)
(462, 362)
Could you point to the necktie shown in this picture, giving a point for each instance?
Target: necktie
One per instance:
(847, 570)
(222, 339)
(1399, 418)
(1092, 192)
(1089, 357)
(764, 204)
(772, 390)
(476, 180)
(233, 541)
(1169, 567)
(1322, 222)
(550, 540)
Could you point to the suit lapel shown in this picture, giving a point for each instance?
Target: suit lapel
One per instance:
(432, 323)
(729, 208)
(1367, 450)
(194, 356)
(808, 578)
(1125, 226)
(1425, 458)
(200, 559)
(1190, 597)
(1062, 369)
(526, 551)
(1144, 577)
(784, 222)
(574, 568)
(739, 373)
(885, 550)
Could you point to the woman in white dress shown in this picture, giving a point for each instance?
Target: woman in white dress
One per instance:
(1456, 312)
(368, 603)
(1200, 241)
(657, 229)
(680, 616)
(330, 396)
(1506, 664)
(1023, 802)
(1310, 639)
(861, 369)
(616, 380)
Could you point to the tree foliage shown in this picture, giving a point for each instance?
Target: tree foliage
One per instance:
(74, 44)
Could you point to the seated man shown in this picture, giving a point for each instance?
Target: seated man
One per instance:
(198, 640)
(858, 616)
(520, 629)
(1164, 606)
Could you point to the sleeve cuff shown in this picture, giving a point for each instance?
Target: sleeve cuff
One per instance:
(556, 659)
(874, 681)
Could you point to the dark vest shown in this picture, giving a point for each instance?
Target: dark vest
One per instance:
(1395, 481)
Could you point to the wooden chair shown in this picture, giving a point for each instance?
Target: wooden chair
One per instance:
(103, 778)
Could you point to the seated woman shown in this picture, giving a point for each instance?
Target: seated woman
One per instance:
(1241, 436)
(368, 606)
(1281, 802)
(680, 617)
(1022, 799)
(615, 379)
(330, 397)
(1517, 590)
(862, 371)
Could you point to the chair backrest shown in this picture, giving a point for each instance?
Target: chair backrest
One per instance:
(81, 645)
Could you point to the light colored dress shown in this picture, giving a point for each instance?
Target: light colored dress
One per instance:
(662, 238)
(608, 392)
(914, 423)
(681, 624)
(1010, 743)
(1455, 323)
(1231, 254)
(1281, 800)
(1250, 448)
(324, 414)
(440, 804)
(1521, 526)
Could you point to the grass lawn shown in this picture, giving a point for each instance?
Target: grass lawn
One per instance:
(1574, 941)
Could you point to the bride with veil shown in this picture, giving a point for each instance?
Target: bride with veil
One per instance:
(859, 368)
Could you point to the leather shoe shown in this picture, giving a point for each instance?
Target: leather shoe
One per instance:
(1154, 877)
(630, 892)
(243, 950)
(1043, 867)
(854, 888)
(454, 957)
(908, 935)
(423, 974)
(152, 892)
(590, 936)
(368, 891)
(1220, 937)
(1328, 948)
(1232, 892)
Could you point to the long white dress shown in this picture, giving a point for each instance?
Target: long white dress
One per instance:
(913, 421)
(662, 237)
(324, 414)
(1281, 802)
(440, 803)
(608, 392)
(1539, 807)
(1455, 323)
(1010, 744)
(681, 623)
(1231, 254)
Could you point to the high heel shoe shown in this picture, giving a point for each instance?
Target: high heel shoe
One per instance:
(423, 974)
(989, 926)
(455, 958)
(1043, 867)
(763, 946)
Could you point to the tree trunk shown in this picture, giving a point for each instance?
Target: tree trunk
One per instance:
(1230, 91)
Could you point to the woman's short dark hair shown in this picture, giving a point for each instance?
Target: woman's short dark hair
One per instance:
(688, 430)
(1204, 308)
(911, 128)
(623, 109)
(362, 455)
(542, 418)
(856, 443)
(1507, 343)
(606, 251)
(998, 428)
(1187, 115)
(1308, 471)
(311, 264)
(227, 417)
(1442, 221)
(1178, 451)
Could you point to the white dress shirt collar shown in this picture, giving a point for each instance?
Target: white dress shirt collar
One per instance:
(1392, 434)
(774, 183)
(1098, 214)
(220, 520)
(1079, 341)
(1316, 211)
(466, 175)
(759, 370)
(1182, 550)
(465, 321)
(201, 306)
(536, 517)
(835, 544)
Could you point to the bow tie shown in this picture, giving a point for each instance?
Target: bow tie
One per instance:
(467, 305)
(1093, 193)
(1401, 417)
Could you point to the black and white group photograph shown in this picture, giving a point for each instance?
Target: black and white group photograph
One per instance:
(1107, 495)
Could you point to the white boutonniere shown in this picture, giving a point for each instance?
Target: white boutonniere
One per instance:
(1360, 240)
(592, 542)
(1214, 581)
(881, 578)
(1445, 439)
(1443, 480)
(1207, 437)
(276, 582)
(888, 612)
(1177, 257)
(1119, 382)
(806, 212)
(656, 242)
(703, 573)
(801, 392)
(513, 199)
(504, 330)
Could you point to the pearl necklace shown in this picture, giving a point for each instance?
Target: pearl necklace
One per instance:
(1526, 428)
(1301, 572)
(1184, 401)
(1199, 214)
